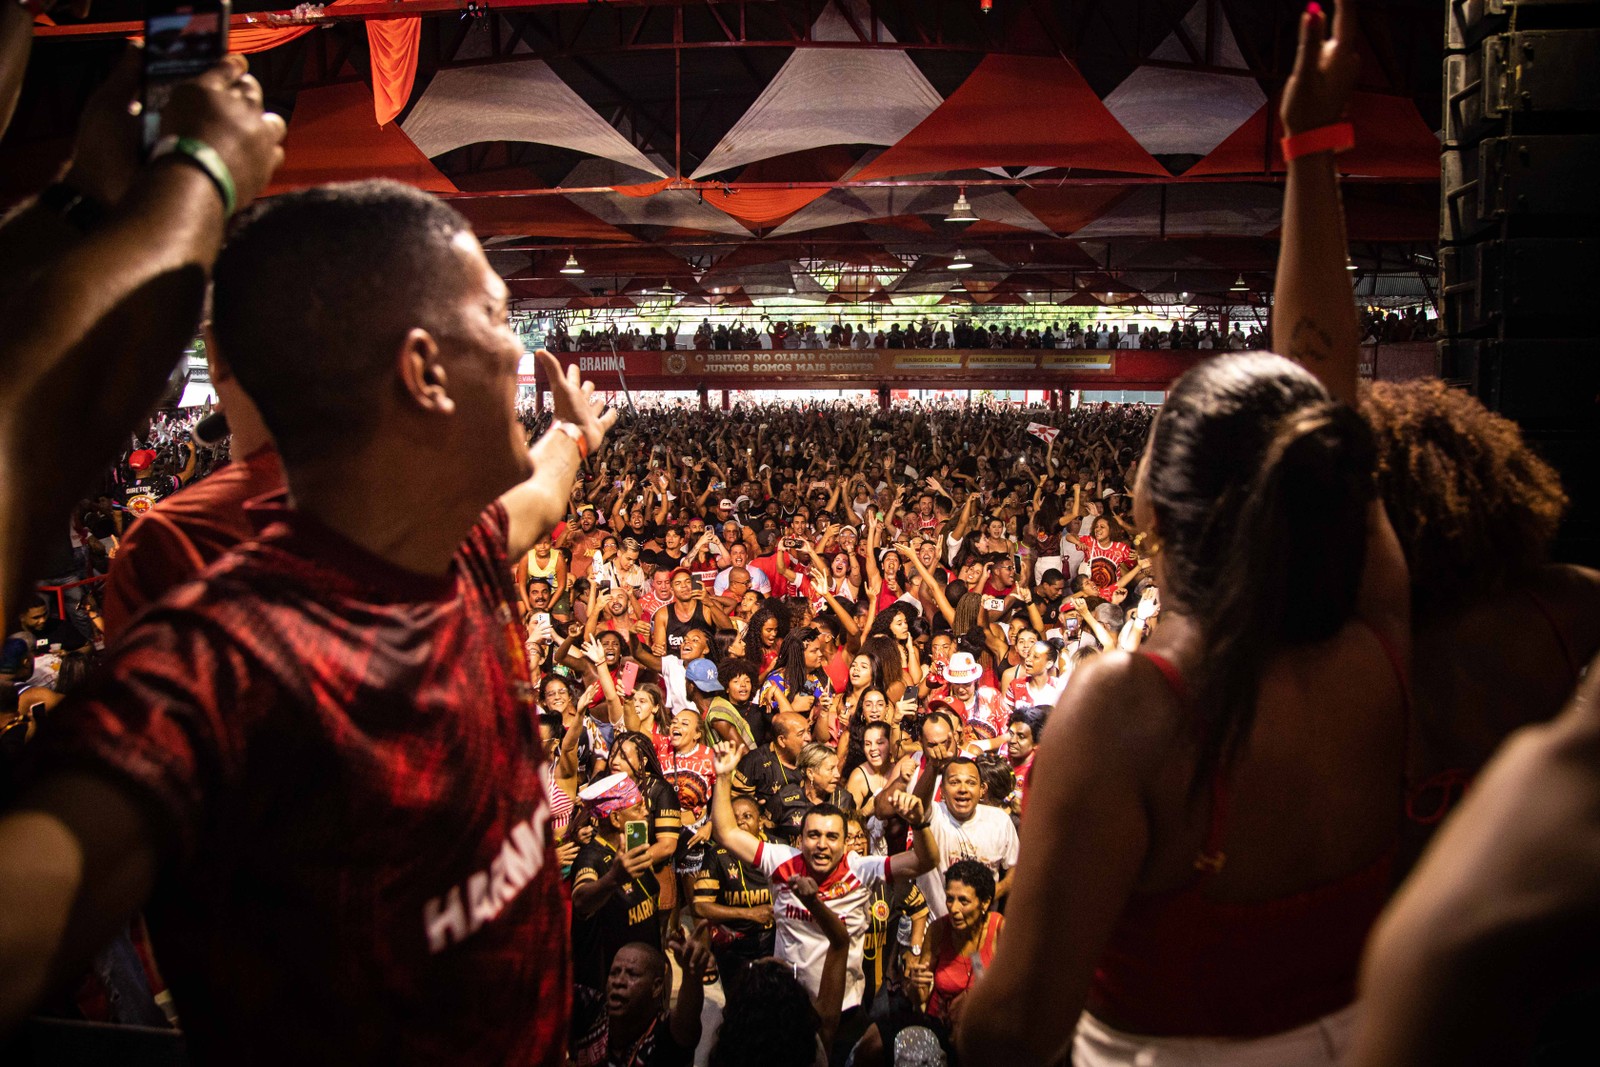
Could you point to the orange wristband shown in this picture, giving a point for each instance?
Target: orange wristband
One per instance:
(572, 431)
(1339, 137)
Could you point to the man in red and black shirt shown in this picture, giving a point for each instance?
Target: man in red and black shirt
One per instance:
(318, 762)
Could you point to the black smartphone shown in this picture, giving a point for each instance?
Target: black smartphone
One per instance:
(182, 39)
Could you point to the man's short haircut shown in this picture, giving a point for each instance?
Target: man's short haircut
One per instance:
(826, 811)
(658, 959)
(315, 292)
(962, 761)
(1051, 575)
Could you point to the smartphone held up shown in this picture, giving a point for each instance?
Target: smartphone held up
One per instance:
(182, 39)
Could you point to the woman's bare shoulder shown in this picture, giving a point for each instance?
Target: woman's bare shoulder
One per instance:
(1120, 700)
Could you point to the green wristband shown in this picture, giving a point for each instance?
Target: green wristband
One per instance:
(193, 150)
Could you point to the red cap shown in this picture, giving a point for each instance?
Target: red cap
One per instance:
(142, 459)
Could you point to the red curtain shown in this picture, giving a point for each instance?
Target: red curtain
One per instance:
(393, 44)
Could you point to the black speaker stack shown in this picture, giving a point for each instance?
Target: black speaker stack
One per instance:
(1519, 238)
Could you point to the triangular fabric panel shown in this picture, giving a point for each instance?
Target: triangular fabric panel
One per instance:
(1192, 210)
(535, 216)
(1223, 47)
(997, 205)
(333, 137)
(859, 204)
(682, 208)
(829, 96)
(520, 101)
(1187, 112)
(1067, 209)
(1392, 141)
(1017, 111)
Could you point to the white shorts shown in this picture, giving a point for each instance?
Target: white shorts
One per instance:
(1322, 1043)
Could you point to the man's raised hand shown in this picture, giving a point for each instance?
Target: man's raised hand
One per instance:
(726, 755)
(574, 400)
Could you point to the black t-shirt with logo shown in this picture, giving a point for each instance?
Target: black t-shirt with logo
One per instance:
(628, 915)
(729, 881)
(779, 790)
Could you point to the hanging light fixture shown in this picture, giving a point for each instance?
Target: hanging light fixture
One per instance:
(1239, 286)
(962, 210)
(961, 262)
(571, 265)
(1350, 265)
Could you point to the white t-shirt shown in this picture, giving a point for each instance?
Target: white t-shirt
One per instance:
(987, 837)
(847, 891)
(758, 580)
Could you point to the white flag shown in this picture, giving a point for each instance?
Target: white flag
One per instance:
(1044, 433)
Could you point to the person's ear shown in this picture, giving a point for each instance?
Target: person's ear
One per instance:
(216, 366)
(422, 373)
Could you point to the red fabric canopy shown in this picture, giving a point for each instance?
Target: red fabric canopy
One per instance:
(537, 216)
(1392, 141)
(332, 137)
(1067, 209)
(1017, 111)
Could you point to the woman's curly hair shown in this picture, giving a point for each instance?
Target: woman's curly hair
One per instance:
(1471, 503)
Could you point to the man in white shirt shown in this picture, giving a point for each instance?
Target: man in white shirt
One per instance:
(964, 828)
(739, 556)
(845, 878)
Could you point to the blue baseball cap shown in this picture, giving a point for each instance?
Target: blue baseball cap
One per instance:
(703, 673)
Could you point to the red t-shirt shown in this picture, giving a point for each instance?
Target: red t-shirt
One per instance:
(691, 773)
(1105, 563)
(345, 757)
(768, 565)
(185, 533)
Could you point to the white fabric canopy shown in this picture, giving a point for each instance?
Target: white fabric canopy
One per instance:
(997, 205)
(1192, 210)
(1188, 112)
(520, 101)
(1183, 111)
(840, 206)
(671, 207)
(826, 96)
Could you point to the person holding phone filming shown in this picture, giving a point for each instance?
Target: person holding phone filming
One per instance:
(614, 890)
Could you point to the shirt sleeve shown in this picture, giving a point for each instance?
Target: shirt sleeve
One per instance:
(916, 904)
(708, 884)
(666, 818)
(770, 856)
(154, 557)
(869, 869)
(1008, 831)
(168, 716)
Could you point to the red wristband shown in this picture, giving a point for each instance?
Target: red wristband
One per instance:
(1339, 137)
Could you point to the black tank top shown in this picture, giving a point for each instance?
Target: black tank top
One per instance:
(676, 629)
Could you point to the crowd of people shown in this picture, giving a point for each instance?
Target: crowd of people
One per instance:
(429, 728)
(962, 333)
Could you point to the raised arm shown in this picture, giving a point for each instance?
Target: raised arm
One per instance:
(693, 952)
(928, 583)
(1314, 315)
(1084, 840)
(97, 329)
(741, 843)
(830, 988)
(535, 506)
(77, 858)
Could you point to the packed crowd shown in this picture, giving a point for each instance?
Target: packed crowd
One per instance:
(982, 735)
(961, 333)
